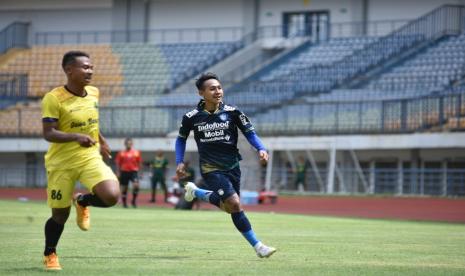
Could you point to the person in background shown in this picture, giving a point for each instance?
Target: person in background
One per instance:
(159, 167)
(128, 163)
(301, 167)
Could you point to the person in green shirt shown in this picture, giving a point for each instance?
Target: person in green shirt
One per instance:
(301, 173)
(159, 165)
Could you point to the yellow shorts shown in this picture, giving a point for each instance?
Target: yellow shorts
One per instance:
(60, 183)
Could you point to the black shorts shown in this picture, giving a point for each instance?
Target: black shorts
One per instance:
(125, 177)
(224, 183)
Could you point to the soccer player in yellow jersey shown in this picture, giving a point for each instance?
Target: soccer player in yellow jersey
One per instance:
(70, 122)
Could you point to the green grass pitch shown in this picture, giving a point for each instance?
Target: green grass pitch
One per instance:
(168, 242)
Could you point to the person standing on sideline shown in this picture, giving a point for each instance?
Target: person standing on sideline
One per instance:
(215, 127)
(128, 163)
(300, 181)
(70, 122)
(159, 166)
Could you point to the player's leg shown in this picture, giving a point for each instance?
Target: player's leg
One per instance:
(154, 188)
(207, 195)
(165, 189)
(224, 188)
(103, 184)
(233, 206)
(124, 182)
(135, 188)
(60, 185)
(53, 229)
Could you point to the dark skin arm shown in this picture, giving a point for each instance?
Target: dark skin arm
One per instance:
(105, 150)
(52, 134)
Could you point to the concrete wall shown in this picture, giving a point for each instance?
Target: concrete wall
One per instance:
(403, 9)
(55, 15)
(271, 10)
(169, 14)
(69, 15)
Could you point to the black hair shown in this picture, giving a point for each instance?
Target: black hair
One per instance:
(70, 57)
(128, 139)
(203, 78)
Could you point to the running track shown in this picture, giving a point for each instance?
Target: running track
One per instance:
(404, 208)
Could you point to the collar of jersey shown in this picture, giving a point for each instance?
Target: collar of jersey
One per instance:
(201, 106)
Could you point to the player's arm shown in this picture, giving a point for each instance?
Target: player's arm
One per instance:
(52, 134)
(105, 150)
(50, 131)
(180, 149)
(180, 146)
(257, 143)
(246, 127)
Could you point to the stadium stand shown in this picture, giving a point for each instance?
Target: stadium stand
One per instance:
(311, 80)
(431, 70)
(403, 80)
(321, 54)
(44, 72)
(151, 69)
(127, 74)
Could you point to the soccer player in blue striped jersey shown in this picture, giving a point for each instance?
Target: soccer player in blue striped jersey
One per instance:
(215, 127)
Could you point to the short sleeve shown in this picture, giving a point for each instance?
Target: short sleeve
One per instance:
(243, 122)
(50, 107)
(185, 127)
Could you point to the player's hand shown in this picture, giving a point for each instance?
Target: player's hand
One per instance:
(105, 150)
(263, 155)
(84, 140)
(181, 171)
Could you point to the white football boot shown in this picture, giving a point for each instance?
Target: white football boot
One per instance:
(189, 194)
(264, 251)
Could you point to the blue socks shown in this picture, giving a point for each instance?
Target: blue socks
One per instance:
(207, 196)
(239, 219)
(243, 225)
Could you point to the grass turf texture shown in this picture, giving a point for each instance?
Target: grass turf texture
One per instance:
(164, 241)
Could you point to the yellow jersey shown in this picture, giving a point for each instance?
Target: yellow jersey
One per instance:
(74, 114)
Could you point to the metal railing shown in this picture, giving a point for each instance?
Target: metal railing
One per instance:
(446, 20)
(14, 35)
(160, 36)
(421, 181)
(13, 86)
(429, 113)
(339, 29)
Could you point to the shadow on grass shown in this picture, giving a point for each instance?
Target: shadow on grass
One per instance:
(23, 270)
(128, 257)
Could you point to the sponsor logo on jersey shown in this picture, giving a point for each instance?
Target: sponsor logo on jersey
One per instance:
(229, 108)
(191, 113)
(213, 139)
(243, 119)
(215, 133)
(213, 126)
